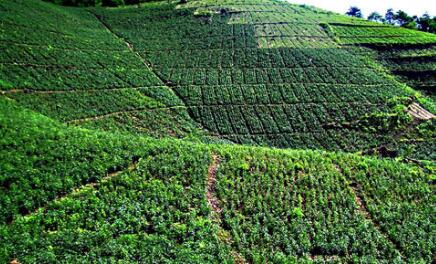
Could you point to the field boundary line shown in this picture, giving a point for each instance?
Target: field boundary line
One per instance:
(176, 86)
(36, 28)
(61, 91)
(229, 37)
(362, 103)
(11, 42)
(356, 189)
(50, 66)
(242, 67)
(166, 83)
(109, 175)
(98, 117)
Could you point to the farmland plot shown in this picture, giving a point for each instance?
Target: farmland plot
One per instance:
(132, 199)
(414, 65)
(281, 209)
(277, 84)
(64, 63)
(381, 35)
(94, 103)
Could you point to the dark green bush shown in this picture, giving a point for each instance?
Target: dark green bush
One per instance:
(76, 2)
(133, 2)
(112, 3)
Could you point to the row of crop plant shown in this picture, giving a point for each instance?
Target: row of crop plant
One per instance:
(253, 58)
(281, 208)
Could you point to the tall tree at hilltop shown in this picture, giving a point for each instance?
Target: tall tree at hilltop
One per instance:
(390, 16)
(354, 11)
(426, 23)
(402, 18)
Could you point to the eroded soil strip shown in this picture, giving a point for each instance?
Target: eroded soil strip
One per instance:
(213, 202)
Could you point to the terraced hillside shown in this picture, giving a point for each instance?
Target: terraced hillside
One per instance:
(81, 196)
(62, 62)
(168, 133)
(267, 74)
(413, 65)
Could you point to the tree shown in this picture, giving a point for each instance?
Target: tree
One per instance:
(402, 18)
(426, 23)
(354, 11)
(432, 25)
(376, 17)
(432, 28)
(390, 16)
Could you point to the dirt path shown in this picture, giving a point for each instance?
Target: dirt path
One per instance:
(212, 200)
(213, 203)
(132, 166)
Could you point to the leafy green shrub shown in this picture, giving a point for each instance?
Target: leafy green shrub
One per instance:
(427, 129)
(5, 85)
(396, 118)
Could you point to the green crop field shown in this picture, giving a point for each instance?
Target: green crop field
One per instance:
(232, 131)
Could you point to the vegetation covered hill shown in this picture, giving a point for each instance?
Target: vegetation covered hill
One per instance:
(122, 133)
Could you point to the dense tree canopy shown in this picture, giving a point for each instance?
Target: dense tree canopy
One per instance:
(390, 16)
(355, 12)
(376, 17)
(399, 18)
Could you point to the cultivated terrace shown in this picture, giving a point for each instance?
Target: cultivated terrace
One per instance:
(207, 131)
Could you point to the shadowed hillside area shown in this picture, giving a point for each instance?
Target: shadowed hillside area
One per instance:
(233, 131)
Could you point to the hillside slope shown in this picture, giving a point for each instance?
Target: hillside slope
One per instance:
(153, 200)
(266, 74)
(63, 62)
(250, 72)
(164, 134)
